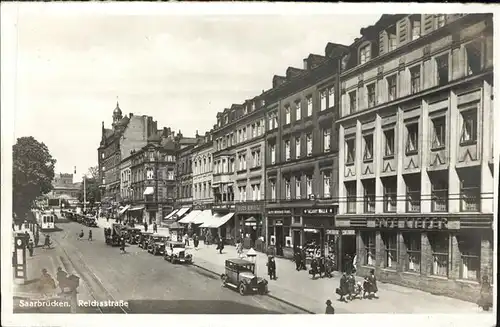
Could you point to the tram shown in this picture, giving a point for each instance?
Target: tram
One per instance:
(46, 220)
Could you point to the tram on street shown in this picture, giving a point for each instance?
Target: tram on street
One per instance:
(46, 220)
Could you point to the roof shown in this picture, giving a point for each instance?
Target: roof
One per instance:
(240, 261)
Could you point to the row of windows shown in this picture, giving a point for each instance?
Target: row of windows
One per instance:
(243, 134)
(202, 165)
(469, 193)
(230, 165)
(247, 108)
(301, 185)
(409, 257)
(202, 190)
(468, 123)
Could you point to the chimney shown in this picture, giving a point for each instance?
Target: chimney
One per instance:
(305, 64)
(130, 115)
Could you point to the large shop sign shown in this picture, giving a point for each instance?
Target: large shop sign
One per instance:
(249, 208)
(412, 223)
(314, 211)
(279, 212)
(340, 232)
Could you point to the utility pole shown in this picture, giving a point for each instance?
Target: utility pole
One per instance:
(84, 193)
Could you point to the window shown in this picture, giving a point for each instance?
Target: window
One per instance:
(391, 38)
(287, 114)
(272, 148)
(288, 193)
(352, 102)
(368, 153)
(469, 127)
(440, 20)
(439, 187)
(257, 190)
(326, 185)
(309, 106)
(273, 190)
(309, 144)
(364, 54)
(390, 194)
(415, 27)
(369, 200)
(275, 120)
(415, 79)
(298, 110)
(257, 158)
(391, 249)
(287, 150)
(413, 193)
(269, 122)
(439, 243)
(439, 133)
(297, 147)
(470, 191)
(326, 140)
(470, 252)
(257, 126)
(351, 196)
(297, 188)
(392, 87)
(254, 192)
(331, 97)
(350, 151)
(170, 175)
(413, 242)
(412, 139)
(309, 186)
(442, 69)
(322, 103)
(149, 174)
(371, 94)
(389, 142)
(473, 51)
(369, 243)
(231, 165)
(244, 134)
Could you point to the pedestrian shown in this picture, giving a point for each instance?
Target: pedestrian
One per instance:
(107, 218)
(303, 259)
(81, 235)
(30, 247)
(196, 241)
(122, 245)
(47, 242)
(45, 283)
(329, 308)
(239, 248)
(370, 285)
(90, 235)
(155, 228)
(354, 263)
(37, 237)
(221, 245)
(343, 289)
(186, 239)
(61, 277)
(486, 297)
(271, 267)
(145, 226)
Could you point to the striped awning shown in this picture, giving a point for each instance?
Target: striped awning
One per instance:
(216, 220)
(171, 214)
(190, 217)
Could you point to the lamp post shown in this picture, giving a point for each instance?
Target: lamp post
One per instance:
(84, 193)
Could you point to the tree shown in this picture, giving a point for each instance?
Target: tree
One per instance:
(94, 172)
(93, 192)
(33, 172)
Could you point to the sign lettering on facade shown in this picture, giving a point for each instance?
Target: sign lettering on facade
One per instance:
(278, 222)
(410, 223)
(279, 212)
(348, 232)
(249, 208)
(332, 232)
(318, 211)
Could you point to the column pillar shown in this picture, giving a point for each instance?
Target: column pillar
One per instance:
(487, 182)
(358, 164)
(402, 254)
(454, 137)
(425, 142)
(340, 187)
(400, 153)
(378, 153)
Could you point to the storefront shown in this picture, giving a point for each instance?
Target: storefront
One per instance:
(136, 214)
(249, 224)
(279, 231)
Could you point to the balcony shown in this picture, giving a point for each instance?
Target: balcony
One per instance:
(470, 199)
(222, 178)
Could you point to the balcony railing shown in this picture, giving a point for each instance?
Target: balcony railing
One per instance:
(413, 201)
(440, 200)
(470, 199)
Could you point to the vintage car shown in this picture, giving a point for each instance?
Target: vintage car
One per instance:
(133, 235)
(143, 241)
(113, 234)
(240, 274)
(90, 221)
(157, 244)
(176, 252)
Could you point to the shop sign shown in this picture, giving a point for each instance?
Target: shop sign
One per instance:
(411, 223)
(348, 232)
(278, 222)
(314, 211)
(279, 212)
(249, 208)
(311, 230)
(332, 232)
(223, 206)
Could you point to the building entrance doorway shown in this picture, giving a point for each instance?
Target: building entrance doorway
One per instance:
(296, 238)
(348, 243)
(279, 240)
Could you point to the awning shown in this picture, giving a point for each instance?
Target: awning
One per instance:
(204, 216)
(190, 217)
(182, 212)
(149, 190)
(136, 208)
(122, 211)
(216, 220)
(171, 214)
(251, 221)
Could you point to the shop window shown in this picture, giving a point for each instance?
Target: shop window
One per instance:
(391, 249)
(439, 133)
(469, 127)
(390, 194)
(439, 243)
(368, 153)
(470, 252)
(442, 69)
(413, 242)
(389, 143)
(370, 251)
(412, 139)
(351, 196)
(369, 200)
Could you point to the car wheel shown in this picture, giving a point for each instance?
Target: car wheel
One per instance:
(242, 289)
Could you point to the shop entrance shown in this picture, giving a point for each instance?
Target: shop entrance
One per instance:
(348, 243)
(279, 240)
(296, 238)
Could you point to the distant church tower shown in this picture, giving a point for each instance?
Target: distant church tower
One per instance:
(117, 115)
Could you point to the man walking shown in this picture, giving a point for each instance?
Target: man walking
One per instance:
(30, 247)
(145, 226)
(90, 235)
(61, 277)
(155, 228)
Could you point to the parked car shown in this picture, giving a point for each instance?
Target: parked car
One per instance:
(113, 234)
(176, 252)
(143, 241)
(157, 244)
(240, 274)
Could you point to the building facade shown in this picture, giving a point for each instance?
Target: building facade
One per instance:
(416, 154)
(64, 187)
(301, 154)
(239, 166)
(202, 173)
(184, 170)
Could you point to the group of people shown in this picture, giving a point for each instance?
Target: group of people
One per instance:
(321, 264)
(349, 289)
(81, 235)
(46, 283)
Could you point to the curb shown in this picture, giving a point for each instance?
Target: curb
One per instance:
(270, 295)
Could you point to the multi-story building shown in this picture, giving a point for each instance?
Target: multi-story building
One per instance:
(416, 154)
(64, 188)
(239, 165)
(202, 173)
(127, 134)
(184, 170)
(301, 153)
(151, 178)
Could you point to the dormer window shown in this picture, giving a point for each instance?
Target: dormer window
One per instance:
(226, 120)
(245, 110)
(440, 20)
(391, 38)
(253, 106)
(416, 25)
(364, 54)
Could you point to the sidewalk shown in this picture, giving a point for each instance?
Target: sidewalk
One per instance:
(299, 288)
(102, 223)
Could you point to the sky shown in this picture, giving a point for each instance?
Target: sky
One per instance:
(180, 69)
